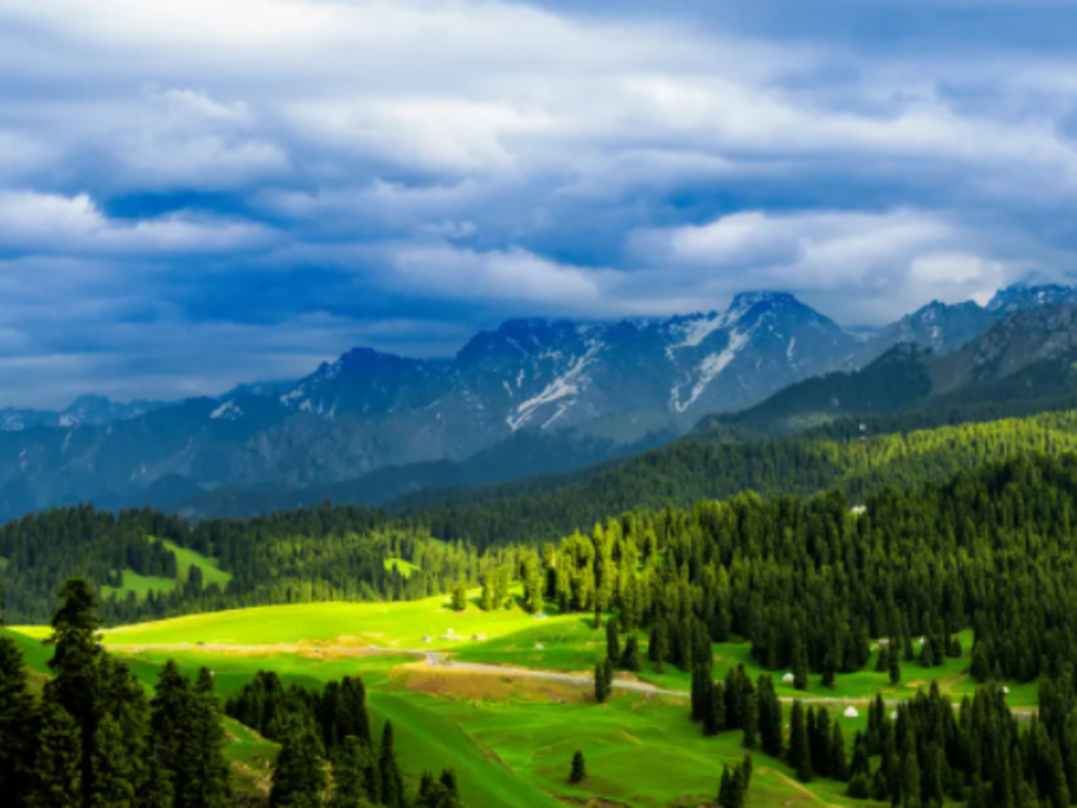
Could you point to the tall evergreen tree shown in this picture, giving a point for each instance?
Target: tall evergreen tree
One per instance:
(799, 747)
(75, 684)
(714, 718)
(751, 715)
(909, 788)
(16, 716)
(579, 768)
(613, 642)
(349, 782)
(630, 658)
(174, 720)
(298, 773)
(839, 768)
(56, 775)
(392, 781)
(113, 785)
(211, 773)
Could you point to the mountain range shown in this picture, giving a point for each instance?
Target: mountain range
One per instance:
(532, 396)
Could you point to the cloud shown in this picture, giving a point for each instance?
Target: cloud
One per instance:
(513, 275)
(48, 223)
(229, 173)
(881, 265)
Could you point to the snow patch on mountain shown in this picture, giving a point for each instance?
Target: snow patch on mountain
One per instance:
(710, 368)
(566, 385)
(695, 331)
(229, 411)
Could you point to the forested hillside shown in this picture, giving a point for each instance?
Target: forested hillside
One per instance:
(1022, 364)
(716, 466)
(149, 565)
(323, 553)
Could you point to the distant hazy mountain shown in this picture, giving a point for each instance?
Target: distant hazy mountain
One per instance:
(83, 411)
(370, 411)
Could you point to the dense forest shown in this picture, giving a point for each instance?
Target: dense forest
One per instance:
(323, 553)
(717, 465)
(811, 582)
(348, 552)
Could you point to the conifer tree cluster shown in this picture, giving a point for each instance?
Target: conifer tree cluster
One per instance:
(94, 740)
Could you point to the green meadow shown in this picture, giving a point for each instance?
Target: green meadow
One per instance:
(141, 585)
(510, 738)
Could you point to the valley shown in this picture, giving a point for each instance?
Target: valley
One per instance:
(499, 728)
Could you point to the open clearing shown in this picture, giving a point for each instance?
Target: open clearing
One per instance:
(141, 585)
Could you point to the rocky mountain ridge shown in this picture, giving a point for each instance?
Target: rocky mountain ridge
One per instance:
(370, 410)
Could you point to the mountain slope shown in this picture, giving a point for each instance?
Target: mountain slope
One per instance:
(1028, 355)
(370, 410)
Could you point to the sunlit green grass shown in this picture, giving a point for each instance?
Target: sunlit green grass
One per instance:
(141, 585)
(406, 568)
(403, 625)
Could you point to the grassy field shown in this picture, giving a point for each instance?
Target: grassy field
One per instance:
(141, 585)
(510, 738)
(405, 568)
(385, 625)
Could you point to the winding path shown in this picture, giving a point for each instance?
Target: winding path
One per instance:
(437, 659)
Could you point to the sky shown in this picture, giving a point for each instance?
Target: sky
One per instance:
(195, 193)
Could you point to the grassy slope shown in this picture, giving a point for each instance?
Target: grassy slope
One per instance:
(513, 747)
(387, 625)
(406, 568)
(185, 558)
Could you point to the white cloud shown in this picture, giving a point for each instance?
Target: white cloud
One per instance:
(498, 275)
(853, 265)
(49, 223)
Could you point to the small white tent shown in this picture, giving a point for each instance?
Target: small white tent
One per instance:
(850, 712)
(789, 678)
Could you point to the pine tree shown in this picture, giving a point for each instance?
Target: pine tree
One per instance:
(174, 722)
(349, 782)
(613, 642)
(123, 699)
(602, 689)
(769, 711)
(392, 781)
(74, 685)
(211, 773)
(658, 647)
(724, 786)
(298, 773)
(800, 665)
(459, 596)
(882, 661)
(701, 688)
(714, 718)
(56, 774)
(112, 768)
(488, 590)
(579, 768)
(630, 658)
(909, 773)
(799, 749)
(839, 769)
(16, 715)
(751, 716)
